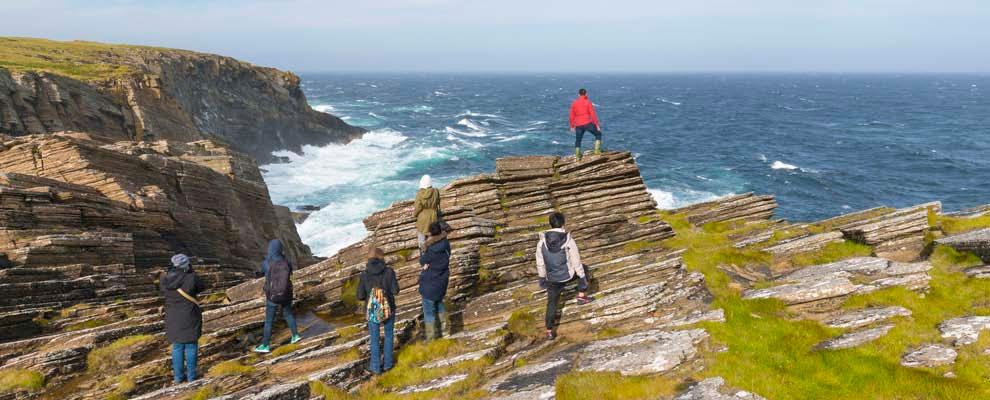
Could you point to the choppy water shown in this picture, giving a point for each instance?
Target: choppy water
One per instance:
(824, 144)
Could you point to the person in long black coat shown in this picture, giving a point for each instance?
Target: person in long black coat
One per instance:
(183, 317)
(433, 280)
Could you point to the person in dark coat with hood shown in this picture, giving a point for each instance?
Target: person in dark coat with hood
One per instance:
(433, 280)
(276, 255)
(378, 275)
(183, 317)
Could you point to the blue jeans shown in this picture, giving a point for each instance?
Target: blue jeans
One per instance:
(270, 309)
(376, 356)
(187, 350)
(580, 130)
(431, 309)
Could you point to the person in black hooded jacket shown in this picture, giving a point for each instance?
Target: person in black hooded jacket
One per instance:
(433, 280)
(183, 318)
(378, 275)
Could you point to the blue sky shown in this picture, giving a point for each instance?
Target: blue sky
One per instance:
(538, 35)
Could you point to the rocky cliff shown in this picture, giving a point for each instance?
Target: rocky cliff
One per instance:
(714, 301)
(145, 93)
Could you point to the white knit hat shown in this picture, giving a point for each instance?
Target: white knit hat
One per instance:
(425, 182)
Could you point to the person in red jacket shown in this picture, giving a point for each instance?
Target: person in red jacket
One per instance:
(584, 119)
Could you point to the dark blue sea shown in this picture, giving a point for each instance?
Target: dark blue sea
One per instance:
(824, 144)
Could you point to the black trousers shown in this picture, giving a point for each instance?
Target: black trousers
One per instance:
(580, 130)
(553, 298)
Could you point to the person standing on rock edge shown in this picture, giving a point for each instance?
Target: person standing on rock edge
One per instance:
(183, 317)
(433, 280)
(557, 262)
(377, 286)
(278, 293)
(427, 209)
(583, 119)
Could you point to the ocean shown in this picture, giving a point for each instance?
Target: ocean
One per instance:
(824, 144)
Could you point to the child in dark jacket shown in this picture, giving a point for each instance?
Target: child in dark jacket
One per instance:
(183, 318)
(433, 280)
(377, 287)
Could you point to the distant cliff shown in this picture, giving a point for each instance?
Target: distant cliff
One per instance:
(142, 93)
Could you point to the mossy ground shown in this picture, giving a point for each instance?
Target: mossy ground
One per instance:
(108, 357)
(14, 379)
(771, 351)
(228, 368)
(85, 61)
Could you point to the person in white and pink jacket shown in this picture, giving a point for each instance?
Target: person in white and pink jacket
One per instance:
(558, 261)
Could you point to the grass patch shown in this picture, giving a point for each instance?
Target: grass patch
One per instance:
(205, 393)
(92, 323)
(327, 392)
(607, 332)
(86, 61)
(772, 354)
(349, 331)
(283, 350)
(522, 323)
(952, 225)
(832, 252)
(348, 293)
(217, 297)
(228, 368)
(612, 386)
(14, 379)
(518, 254)
(407, 369)
(110, 356)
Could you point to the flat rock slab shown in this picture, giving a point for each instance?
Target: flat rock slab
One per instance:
(538, 393)
(643, 352)
(806, 291)
(712, 389)
(867, 316)
(853, 339)
(474, 355)
(976, 241)
(435, 384)
(964, 330)
(858, 265)
(929, 355)
(533, 377)
(981, 272)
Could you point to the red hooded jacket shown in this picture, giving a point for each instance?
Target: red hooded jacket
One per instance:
(583, 112)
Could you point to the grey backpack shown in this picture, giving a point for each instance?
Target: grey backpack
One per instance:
(555, 256)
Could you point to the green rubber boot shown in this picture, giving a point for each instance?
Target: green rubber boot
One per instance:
(429, 331)
(598, 147)
(443, 322)
(577, 153)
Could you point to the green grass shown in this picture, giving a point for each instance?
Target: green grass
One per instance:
(87, 61)
(228, 368)
(612, 386)
(349, 331)
(522, 323)
(92, 323)
(952, 225)
(348, 293)
(832, 252)
(607, 332)
(317, 388)
(14, 379)
(109, 357)
(771, 352)
(640, 246)
(205, 393)
(283, 350)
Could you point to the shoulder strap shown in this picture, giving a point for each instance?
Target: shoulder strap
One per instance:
(187, 296)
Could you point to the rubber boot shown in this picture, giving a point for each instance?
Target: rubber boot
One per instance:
(443, 322)
(430, 331)
(577, 153)
(598, 147)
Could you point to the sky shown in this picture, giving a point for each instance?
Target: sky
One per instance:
(538, 35)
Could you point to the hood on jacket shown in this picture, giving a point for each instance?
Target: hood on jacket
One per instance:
(375, 267)
(173, 279)
(555, 240)
(425, 182)
(275, 250)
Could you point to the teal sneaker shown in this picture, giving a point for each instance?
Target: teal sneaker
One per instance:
(295, 339)
(262, 349)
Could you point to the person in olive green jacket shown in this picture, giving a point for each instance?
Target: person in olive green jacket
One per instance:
(427, 208)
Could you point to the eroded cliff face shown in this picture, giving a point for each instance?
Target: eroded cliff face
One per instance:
(171, 94)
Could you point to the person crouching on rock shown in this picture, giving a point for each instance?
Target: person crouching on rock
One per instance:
(183, 317)
(433, 280)
(557, 262)
(278, 293)
(426, 208)
(377, 287)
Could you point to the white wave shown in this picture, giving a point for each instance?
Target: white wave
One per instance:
(376, 115)
(782, 165)
(353, 173)
(326, 108)
(439, 93)
(449, 129)
(465, 142)
(466, 122)
(469, 114)
(668, 200)
(673, 103)
(422, 108)
(513, 138)
(763, 158)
